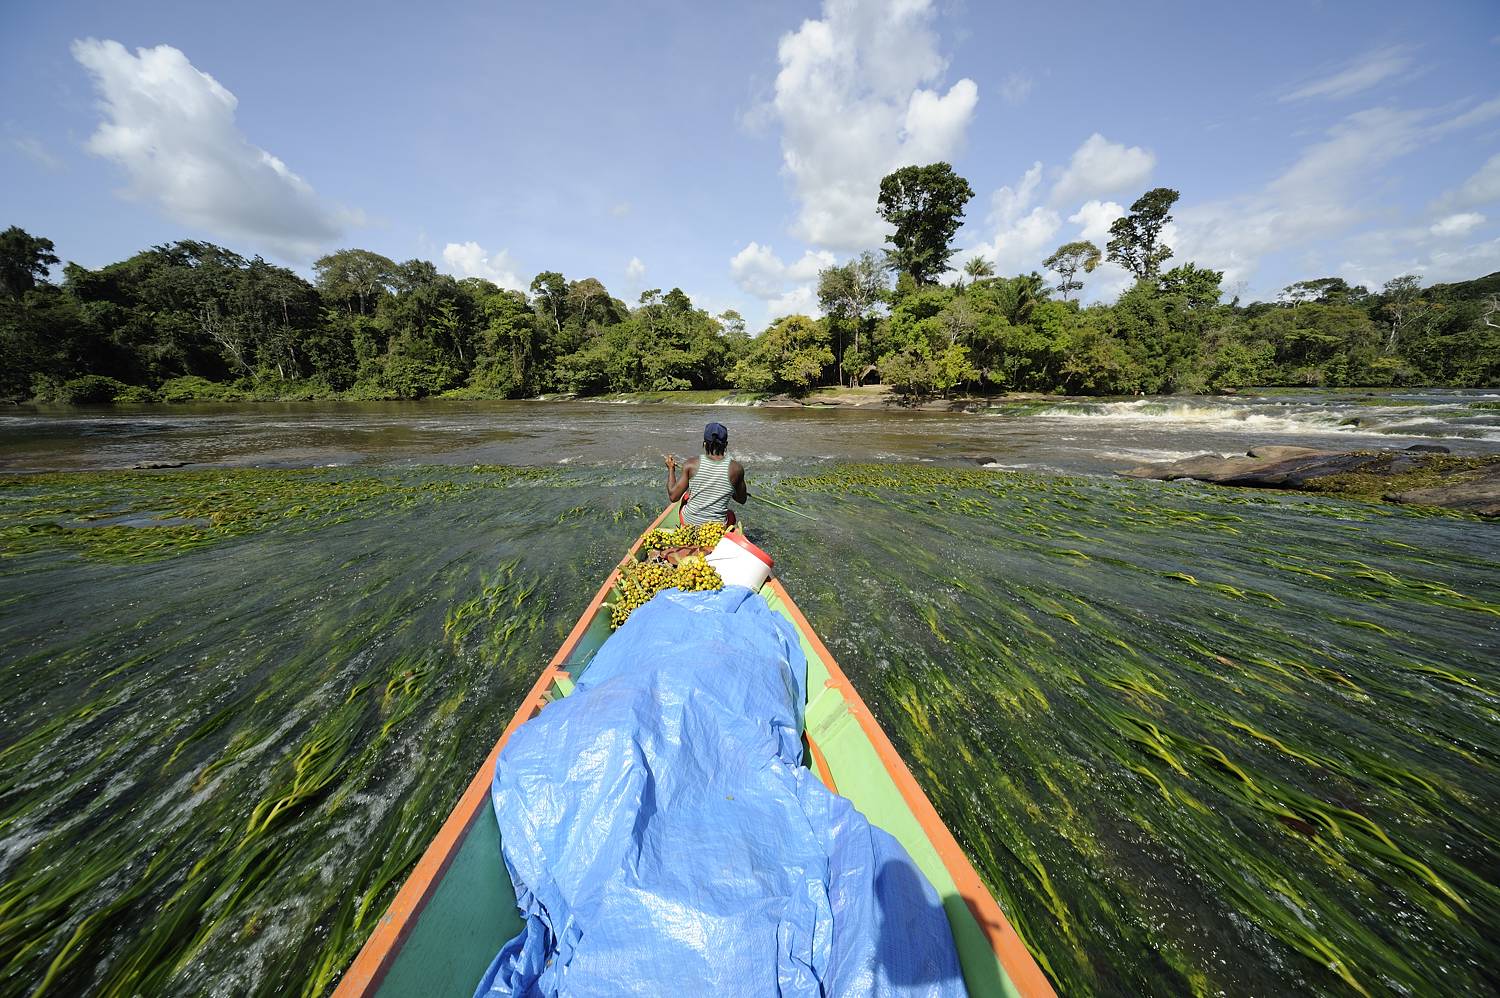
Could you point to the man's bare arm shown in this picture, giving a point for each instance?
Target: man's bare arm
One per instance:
(737, 479)
(677, 484)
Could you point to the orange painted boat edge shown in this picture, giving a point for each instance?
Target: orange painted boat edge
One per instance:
(821, 762)
(1020, 966)
(364, 975)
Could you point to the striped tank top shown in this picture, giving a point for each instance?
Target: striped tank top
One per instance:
(708, 496)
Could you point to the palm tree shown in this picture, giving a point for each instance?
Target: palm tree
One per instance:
(978, 267)
(975, 268)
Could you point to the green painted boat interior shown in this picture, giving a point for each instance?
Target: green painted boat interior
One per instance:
(860, 775)
(472, 912)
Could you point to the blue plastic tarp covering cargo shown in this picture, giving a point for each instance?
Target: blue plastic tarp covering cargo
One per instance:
(664, 839)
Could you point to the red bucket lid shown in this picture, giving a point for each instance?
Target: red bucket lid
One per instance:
(739, 538)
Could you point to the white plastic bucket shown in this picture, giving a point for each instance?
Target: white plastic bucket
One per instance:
(740, 563)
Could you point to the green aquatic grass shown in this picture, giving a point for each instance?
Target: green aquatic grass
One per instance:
(215, 779)
(1196, 741)
(76, 510)
(1262, 725)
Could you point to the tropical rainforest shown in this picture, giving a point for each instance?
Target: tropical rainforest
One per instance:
(195, 321)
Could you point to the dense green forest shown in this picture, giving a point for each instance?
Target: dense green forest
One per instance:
(192, 320)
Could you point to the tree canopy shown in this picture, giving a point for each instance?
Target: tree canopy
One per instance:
(24, 260)
(192, 320)
(1067, 260)
(926, 206)
(1135, 238)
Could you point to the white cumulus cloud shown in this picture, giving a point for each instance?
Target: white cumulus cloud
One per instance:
(1025, 234)
(171, 127)
(1107, 280)
(471, 260)
(786, 288)
(1457, 225)
(858, 95)
(1095, 217)
(635, 271)
(801, 300)
(1099, 167)
(758, 270)
(1009, 203)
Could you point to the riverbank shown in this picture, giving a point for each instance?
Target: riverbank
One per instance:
(96, 391)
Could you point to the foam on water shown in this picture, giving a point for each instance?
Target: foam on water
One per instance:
(1281, 418)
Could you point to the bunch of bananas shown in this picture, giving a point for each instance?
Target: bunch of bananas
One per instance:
(696, 575)
(709, 534)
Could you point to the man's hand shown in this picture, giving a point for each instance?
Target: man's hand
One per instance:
(671, 460)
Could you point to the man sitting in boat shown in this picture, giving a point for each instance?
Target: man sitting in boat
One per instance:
(715, 476)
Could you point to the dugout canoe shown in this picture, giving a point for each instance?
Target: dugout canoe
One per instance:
(457, 906)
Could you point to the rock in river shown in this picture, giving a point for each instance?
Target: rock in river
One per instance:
(1415, 476)
(1479, 494)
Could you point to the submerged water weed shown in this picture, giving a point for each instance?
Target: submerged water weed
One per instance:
(1214, 744)
(1135, 704)
(215, 778)
(142, 516)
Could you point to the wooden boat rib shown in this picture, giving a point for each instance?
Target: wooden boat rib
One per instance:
(457, 906)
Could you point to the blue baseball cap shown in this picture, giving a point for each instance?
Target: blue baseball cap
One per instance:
(716, 433)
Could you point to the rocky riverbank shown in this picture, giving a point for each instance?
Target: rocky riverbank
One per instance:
(1421, 475)
(882, 397)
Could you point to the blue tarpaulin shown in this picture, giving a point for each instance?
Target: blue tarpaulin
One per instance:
(664, 839)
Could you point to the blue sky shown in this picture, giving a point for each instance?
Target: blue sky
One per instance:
(733, 149)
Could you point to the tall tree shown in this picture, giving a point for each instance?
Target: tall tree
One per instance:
(1068, 259)
(926, 205)
(850, 294)
(1135, 238)
(733, 325)
(550, 291)
(976, 268)
(1329, 290)
(1194, 286)
(24, 260)
(354, 280)
(507, 346)
(790, 355)
(1403, 306)
(589, 301)
(414, 275)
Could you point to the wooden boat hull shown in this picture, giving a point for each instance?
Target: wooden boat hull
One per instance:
(457, 907)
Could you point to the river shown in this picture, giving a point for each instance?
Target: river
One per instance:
(1072, 436)
(1197, 740)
